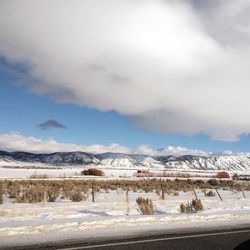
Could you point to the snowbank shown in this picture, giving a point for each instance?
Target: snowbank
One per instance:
(110, 216)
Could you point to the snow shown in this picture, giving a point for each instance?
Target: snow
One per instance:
(73, 171)
(15, 173)
(133, 161)
(22, 224)
(26, 173)
(109, 215)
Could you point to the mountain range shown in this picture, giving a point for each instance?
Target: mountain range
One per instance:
(128, 161)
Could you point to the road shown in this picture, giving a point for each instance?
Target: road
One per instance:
(238, 239)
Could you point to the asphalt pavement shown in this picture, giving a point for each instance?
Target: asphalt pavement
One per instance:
(233, 239)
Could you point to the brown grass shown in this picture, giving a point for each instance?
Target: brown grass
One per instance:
(145, 206)
(53, 192)
(162, 174)
(23, 189)
(197, 204)
(77, 195)
(175, 193)
(194, 206)
(39, 176)
(30, 195)
(209, 193)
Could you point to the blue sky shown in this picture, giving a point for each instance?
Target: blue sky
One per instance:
(120, 75)
(21, 112)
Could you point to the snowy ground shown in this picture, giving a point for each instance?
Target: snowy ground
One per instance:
(109, 172)
(110, 216)
(61, 173)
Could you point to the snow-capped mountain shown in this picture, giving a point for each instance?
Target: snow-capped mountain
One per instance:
(220, 162)
(117, 160)
(58, 158)
(128, 161)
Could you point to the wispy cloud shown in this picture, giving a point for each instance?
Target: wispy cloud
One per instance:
(51, 124)
(176, 67)
(18, 142)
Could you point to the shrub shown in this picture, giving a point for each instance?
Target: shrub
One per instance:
(213, 182)
(210, 193)
(39, 176)
(175, 193)
(158, 191)
(93, 171)
(223, 174)
(145, 206)
(191, 207)
(13, 190)
(235, 177)
(148, 188)
(30, 195)
(53, 192)
(183, 208)
(77, 195)
(64, 187)
(197, 204)
(186, 208)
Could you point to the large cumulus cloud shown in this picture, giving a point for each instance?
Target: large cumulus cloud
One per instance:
(176, 67)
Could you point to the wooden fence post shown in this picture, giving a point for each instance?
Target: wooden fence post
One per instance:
(93, 193)
(127, 201)
(44, 200)
(196, 197)
(218, 193)
(242, 190)
(162, 193)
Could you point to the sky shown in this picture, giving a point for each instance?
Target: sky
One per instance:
(133, 76)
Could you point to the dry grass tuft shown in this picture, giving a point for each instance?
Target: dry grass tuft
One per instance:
(51, 189)
(77, 195)
(197, 205)
(53, 193)
(210, 193)
(39, 176)
(175, 193)
(191, 207)
(30, 195)
(145, 206)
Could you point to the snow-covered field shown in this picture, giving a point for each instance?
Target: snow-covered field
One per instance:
(60, 173)
(109, 172)
(110, 215)
(26, 173)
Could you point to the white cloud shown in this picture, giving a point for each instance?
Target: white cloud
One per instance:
(18, 142)
(227, 152)
(170, 150)
(171, 66)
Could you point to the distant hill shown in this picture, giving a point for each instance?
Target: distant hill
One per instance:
(120, 160)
